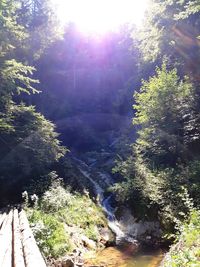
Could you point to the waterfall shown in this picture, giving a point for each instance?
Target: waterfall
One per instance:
(112, 221)
(105, 202)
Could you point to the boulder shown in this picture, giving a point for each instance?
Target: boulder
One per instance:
(107, 237)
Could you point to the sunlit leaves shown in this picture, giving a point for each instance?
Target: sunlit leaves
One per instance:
(11, 33)
(190, 7)
(28, 141)
(16, 77)
(164, 111)
(163, 156)
(159, 96)
(33, 141)
(173, 28)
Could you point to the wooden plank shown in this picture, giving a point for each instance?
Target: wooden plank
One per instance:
(32, 254)
(17, 254)
(6, 241)
(2, 218)
(4, 222)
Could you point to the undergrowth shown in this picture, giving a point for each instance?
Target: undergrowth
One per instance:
(186, 253)
(58, 214)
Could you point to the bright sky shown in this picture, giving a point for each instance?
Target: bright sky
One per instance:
(100, 16)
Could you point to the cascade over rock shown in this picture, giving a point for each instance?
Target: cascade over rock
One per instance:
(125, 228)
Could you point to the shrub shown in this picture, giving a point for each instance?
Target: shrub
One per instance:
(58, 214)
(56, 197)
(186, 252)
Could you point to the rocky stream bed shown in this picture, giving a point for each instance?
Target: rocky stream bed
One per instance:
(126, 250)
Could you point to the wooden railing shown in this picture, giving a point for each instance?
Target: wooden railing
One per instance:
(18, 247)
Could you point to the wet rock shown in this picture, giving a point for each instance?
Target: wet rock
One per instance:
(107, 237)
(129, 249)
(105, 234)
(129, 245)
(144, 231)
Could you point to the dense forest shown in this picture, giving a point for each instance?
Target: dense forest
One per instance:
(116, 116)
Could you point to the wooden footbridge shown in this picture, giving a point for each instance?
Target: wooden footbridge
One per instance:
(18, 247)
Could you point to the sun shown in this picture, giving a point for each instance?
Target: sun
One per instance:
(100, 16)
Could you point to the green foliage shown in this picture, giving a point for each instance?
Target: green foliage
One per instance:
(159, 94)
(58, 214)
(55, 198)
(186, 252)
(15, 77)
(190, 8)
(50, 233)
(164, 109)
(163, 159)
(148, 191)
(14, 74)
(165, 156)
(33, 144)
(11, 32)
(192, 171)
(83, 213)
(41, 26)
(29, 143)
(173, 28)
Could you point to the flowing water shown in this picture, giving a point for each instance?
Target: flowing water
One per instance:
(112, 256)
(104, 201)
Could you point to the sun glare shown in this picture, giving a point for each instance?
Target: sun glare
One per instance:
(100, 16)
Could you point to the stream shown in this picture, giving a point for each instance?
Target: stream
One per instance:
(126, 234)
(113, 257)
(113, 223)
